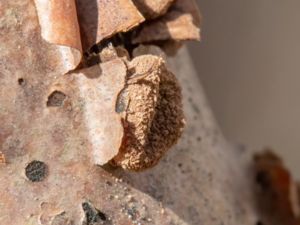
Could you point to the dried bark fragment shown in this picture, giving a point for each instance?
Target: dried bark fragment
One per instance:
(100, 19)
(279, 194)
(153, 117)
(97, 19)
(181, 22)
(152, 9)
(100, 86)
(59, 26)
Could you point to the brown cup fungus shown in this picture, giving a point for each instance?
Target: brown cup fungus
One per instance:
(151, 108)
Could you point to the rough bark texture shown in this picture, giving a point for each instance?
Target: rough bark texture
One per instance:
(100, 19)
(152, 9)
(47, 177)
(180, 23)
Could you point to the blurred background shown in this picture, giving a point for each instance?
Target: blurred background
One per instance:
(249, 64)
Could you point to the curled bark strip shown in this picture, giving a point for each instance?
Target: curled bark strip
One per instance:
(100, 86)
(100, 19)
(77, 26)
(152, 9)
(59, 25)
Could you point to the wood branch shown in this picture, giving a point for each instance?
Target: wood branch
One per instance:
(64, 128)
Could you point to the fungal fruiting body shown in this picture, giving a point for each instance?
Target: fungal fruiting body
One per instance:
(152, 113)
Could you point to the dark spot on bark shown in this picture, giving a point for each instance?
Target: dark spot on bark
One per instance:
(263, 179)
(108, 183)
(131, 212)
(93, 216)
(21, 82)
(56, 99)
(259, 223)
(36, 171)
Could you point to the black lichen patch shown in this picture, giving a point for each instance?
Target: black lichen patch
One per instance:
(36, 171)
(93, 216)
(21, 82)
(56, 99)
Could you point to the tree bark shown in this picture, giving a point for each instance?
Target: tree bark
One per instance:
(48, 178)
